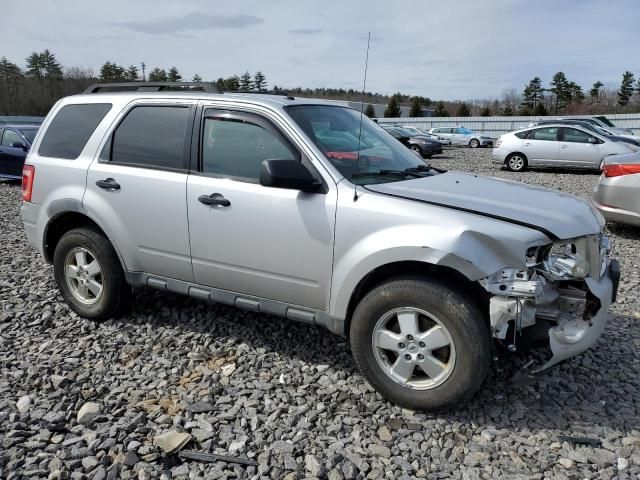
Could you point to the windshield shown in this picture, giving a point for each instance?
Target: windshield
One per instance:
(334, 130)
(29, 133)
(600, 130)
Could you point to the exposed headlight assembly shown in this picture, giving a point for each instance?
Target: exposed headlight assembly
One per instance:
(565, 262)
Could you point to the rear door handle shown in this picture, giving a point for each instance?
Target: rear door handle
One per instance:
(108, 184)
(527, 144)
(564, 146)
(216, 199)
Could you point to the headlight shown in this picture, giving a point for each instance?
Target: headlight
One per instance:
(564, 262)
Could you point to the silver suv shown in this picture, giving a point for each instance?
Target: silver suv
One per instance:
(295, 208)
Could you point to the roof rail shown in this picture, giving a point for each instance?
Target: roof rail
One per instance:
(152, 87)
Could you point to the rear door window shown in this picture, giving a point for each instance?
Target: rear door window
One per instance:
(549, 134)
(575, 136)
(70, 130)
(151, 136)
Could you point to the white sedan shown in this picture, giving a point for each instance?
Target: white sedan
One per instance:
(555, 146)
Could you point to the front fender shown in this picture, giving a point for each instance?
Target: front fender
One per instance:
(473, 254)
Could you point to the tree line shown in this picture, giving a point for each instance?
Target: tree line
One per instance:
(34, 88)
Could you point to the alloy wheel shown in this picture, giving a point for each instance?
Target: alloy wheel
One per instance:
(516, 163)
(413, 348)
(83, 274)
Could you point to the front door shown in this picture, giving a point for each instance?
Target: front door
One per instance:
(138, 188)
(11, 157)
(578, 149)
(267, 242)
(541, 146)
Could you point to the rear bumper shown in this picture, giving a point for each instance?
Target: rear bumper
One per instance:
(498, 155)
(30, 212)
(618, 215)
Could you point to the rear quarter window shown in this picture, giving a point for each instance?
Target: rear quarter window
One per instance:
(524, 134)
(70, 130)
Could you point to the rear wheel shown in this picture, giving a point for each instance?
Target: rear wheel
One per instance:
(474, 143)
(89, 274)
(420, 344)
(416, 149)
(516, 162)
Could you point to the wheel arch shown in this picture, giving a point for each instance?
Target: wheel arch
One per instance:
(506, 159)
(65, 220)
(416, 269)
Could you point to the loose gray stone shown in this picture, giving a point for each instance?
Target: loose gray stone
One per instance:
(88, 412)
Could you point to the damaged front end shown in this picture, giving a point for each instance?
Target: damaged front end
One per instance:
(565, 290)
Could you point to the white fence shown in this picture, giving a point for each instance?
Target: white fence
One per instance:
(495, 126)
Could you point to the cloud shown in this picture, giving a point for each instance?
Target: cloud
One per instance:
(306, 31)
(192, 22)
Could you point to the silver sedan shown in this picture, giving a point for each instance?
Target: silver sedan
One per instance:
(617, 195)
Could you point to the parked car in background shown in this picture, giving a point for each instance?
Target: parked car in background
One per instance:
(15, 142)
(420, 144)
(462, 136)
(600, 121)
(418, 268)
(556, 145)
(419, 131)
(630, 139)
(617, 194)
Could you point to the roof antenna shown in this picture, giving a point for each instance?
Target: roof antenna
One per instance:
(364, 85)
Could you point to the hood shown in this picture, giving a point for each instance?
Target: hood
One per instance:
(556, 214)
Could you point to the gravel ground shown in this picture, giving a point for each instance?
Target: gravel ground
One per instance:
(86, 400)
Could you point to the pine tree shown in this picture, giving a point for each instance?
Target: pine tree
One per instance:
(111, 72)
(196, 78)
(595, 91)
(157, 75)
(574, 92)
(232, 84)
(174, 75)
(561, 89)
(9, 70)
(370, 111)
(131, 75)
(440, 110)
(463, 110)
(532, 94)
(416, 107)
(485, 112)
(393, 109)
(626, 89)
(246, 85)
(259, 82)
(35, 68)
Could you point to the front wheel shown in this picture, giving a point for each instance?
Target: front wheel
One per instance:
(416, 149)
(474, 143)
(420, 344)
(516, 162)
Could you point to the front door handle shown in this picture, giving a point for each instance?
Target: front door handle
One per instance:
(216, 199)
(527, 144)
(564, 146)
(108, 184)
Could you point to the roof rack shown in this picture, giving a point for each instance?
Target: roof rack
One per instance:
(152, 87)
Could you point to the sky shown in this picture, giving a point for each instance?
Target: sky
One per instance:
(445, 49)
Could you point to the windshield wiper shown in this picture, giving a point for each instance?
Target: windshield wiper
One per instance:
(424, 168)
(384, 173)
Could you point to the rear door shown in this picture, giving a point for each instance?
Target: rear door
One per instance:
(541, 146)
(577, 149)
(12, 158)
(137, 188)
(267, 242)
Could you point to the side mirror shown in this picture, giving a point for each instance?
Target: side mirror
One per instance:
(19, 145)
(593, 140)
(291, 174)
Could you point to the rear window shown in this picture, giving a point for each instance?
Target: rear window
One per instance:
(71, 128)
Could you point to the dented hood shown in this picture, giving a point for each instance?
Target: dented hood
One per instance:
(556, 214)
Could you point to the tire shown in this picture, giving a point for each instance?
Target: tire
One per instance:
(416, 149)
(464, 362)
(516, 162)
(474, 143)
(78, 281)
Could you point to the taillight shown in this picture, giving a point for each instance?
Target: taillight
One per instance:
(618, 169)
(499, 141)
(28, 175)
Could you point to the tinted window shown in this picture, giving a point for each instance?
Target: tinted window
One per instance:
(71, 128)
(544, 134)
(10, 137)
(152, 136)
(237, 148)
(576, 136)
